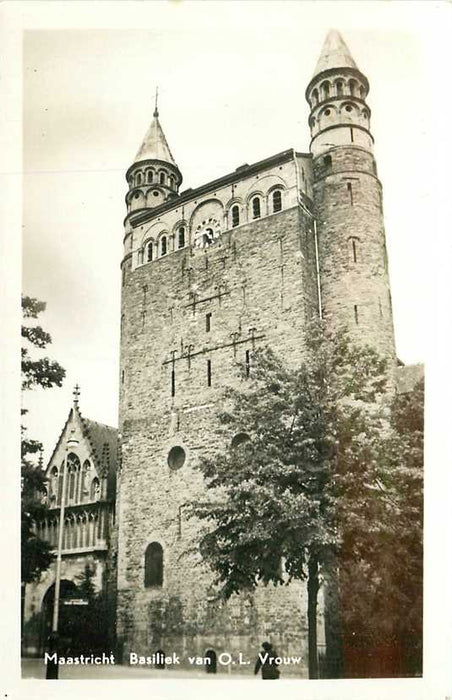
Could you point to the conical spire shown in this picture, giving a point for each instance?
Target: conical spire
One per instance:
(335, 54)
(155, 145)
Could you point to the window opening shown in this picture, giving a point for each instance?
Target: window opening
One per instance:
(277, 201)
(162, 178)
(208, 321)
(350, 192)
(247, 363)
(235, 215)
(181, 241)
(164, 246)
(327, 161)
(351, 135)
(149, 252)
(209, 372)
(150, 175)
(153, 565)
(355, 258)
(173, 382)
(256, 208)
(356, 314)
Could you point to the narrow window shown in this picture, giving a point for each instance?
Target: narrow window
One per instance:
(163, 246)
(162, 178)
(171, 181)
(355, 257)
(95, 489)
(350, 192)
(277, 201)
(256, 208)
(149, 252)
(173, 382)
(122, 377)
(235, 215)
(381, 310)
(153, 565)
(351, 134)
(209, 373)
(208, 321)
(181, 240)
(139, 179)
(150, 175)
(356, 314)
(123, 277)
(340, 88)
(247, 363)
(327, 161)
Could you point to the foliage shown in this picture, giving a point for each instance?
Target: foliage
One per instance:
(45, 373)
(89, 630)
(320, 479)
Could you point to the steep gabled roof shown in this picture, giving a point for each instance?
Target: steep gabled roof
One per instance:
(102, 440)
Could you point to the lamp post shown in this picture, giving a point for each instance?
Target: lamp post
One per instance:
(52, 666)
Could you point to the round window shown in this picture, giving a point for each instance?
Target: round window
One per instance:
(155, 193)
(327, 112)
(239, 439)
(176, 457)
(348, 108)
(136, 195)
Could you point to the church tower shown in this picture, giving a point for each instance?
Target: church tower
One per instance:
(209, 275)
(348, 201)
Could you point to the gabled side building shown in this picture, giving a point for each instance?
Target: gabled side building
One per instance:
(88, 524)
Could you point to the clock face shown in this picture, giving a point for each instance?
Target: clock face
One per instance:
(207, 232)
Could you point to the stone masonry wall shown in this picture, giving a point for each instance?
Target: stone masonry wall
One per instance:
(352, 249)
(258, 280)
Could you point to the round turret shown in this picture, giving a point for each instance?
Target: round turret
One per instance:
(154, 177)
(348, 204)
(337, 97)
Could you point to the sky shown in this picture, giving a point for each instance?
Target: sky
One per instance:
(231, 79)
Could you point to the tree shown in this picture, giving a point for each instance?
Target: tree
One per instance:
(45, 373)
(306, 478)
(89, 628)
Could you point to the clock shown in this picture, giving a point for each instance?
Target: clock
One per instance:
(206, 233)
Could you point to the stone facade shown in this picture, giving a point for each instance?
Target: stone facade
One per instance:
(88, 521)
(208, 275)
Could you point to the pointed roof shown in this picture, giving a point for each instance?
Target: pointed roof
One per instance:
(155, 145)
(335, 54)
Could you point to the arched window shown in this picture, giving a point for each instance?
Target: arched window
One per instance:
(150, 176)
(353, 85)
(171, 181)
(73, 464)
(163, 246)
(315, 96)
(162, 178)
(84, 490)
(53, 487)
(325, 88)
(339, 88)
(235, 212)
(181, 238)
(153, 565)
(256, 208)
(139, 179)
(95, 489)
(149, 252)
(277, 200)
(362, 92)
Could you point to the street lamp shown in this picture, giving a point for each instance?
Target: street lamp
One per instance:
(52, 666)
